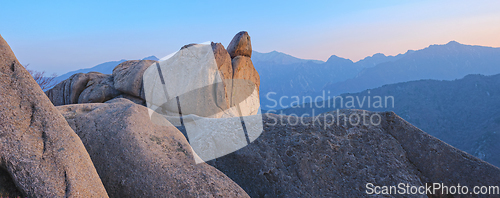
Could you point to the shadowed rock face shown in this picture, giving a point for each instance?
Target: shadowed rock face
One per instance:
(7, 186)
(127, 77)
(303, 160)
(137, 158)
(69, 90)
(223, 60)
(100, 88)
(39, 151)
(92, 87)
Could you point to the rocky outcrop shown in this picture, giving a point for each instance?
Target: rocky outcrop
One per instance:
(7, 186)
(92, 87)
(99, 89)
(134, 99)
(234, 81)
(138, 157)
(223, 60)
(69, 90)
(127, 77)
(39, 151)
(240, 45)
(246, 82)
(246, 79)
(225, 67)
(243, 69)
(294, 158)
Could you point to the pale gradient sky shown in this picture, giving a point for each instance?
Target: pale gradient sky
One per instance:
(64, 36)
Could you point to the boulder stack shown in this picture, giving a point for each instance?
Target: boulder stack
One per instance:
(246, 79)
(95, 87)
(127, 77)
(239, 86)
(99, 89)
(141, 156)
(41, 154)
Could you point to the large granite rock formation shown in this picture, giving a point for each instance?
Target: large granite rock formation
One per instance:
(295, 158)
(137, 157)
(99, 89)
(233, 83)
(223, 60)
(225, 67)
(92, 87)
(127, 77)
(202, 79)
(39, 151)
(69, 90)
(246, 79)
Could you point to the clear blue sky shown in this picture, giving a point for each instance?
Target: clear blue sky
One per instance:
(61, 36)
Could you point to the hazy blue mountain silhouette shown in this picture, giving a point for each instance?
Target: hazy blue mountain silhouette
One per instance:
(105, 68)
(464, 113)
(278, 58)
(286, 75)
(439, 62)
(151, 58)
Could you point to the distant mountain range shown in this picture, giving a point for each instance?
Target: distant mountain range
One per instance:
(464, 113)
(439, 62)
(286, 75)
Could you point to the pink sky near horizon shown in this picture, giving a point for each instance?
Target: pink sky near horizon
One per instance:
(414, 30)
(82, 35)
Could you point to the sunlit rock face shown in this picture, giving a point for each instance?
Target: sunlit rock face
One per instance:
(40, 155)
(137, 158)
(213, 97)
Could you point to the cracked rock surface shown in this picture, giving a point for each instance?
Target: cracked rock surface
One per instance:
(293, 158)
(135, 157)
(39, 153)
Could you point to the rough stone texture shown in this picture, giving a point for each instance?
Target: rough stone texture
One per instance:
(243, 69)
(191, 75)
(223, 60)
(99, 89)
(226, 70)
(437, 161)
(137, 158)
(246, 83)
(7, 186)
(302, 160)
(92, 87)
(134, 99)
(240, 45)
(69, 90)
(128, 76)
(188, 45)
(40, 152)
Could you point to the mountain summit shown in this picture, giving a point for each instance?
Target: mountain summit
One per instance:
(439, 62)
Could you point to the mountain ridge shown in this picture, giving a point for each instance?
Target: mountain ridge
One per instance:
(440, 62)
(463, 112)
